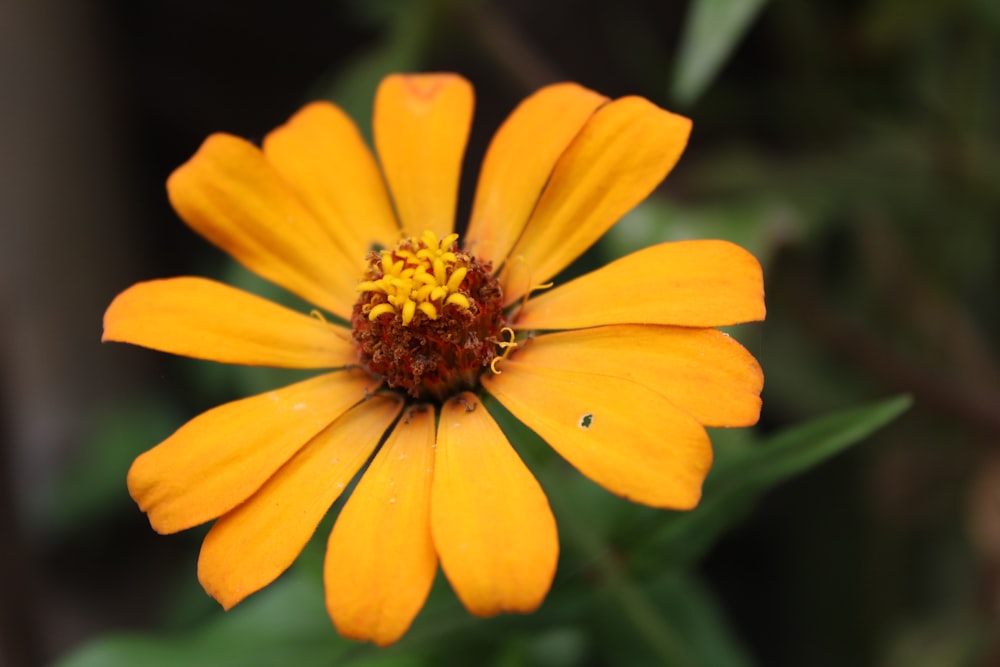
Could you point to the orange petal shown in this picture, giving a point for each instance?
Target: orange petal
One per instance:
(380, 560)
(519, 162)
(229, 194)
(320, 153)
(687, 283)
(703, 371)
(218, 459)
(421, 125)
(251, 545)
(626, 148)
(630, 440)
(491, 522)
(205, 319)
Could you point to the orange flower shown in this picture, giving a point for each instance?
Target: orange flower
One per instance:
(619, 370)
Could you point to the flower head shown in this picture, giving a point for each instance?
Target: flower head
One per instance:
(619, 370)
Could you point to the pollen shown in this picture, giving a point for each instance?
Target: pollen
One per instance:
(429, 318)
(422, 275)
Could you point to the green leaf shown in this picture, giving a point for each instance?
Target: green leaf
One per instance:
(802, 447)
(711, 32)
(731, 489)
(690, 609)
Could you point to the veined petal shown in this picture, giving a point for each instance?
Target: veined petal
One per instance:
(630, 440)
(421, 125)
(229, 194)
(380, 560)
(320, 153)
(519, 162)
(201, 318)
(686, 283)
(218, 459)
(491, 522)
(703, 371)
(250, 546)
(622, 153)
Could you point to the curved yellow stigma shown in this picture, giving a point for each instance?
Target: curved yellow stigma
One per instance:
(507, 346)
(420, 275)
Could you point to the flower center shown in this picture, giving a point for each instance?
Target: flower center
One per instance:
(430, 317)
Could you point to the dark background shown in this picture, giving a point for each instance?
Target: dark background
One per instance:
(854, 144)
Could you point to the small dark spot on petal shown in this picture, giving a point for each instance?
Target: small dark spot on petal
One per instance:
(586, 420)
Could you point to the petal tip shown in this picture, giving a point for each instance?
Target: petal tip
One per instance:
(227, 599)
(425, 85)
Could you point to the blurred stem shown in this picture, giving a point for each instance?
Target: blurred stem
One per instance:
(18, 636)
(500, 40)
(661, 637)
(942, 321)
(800, 289)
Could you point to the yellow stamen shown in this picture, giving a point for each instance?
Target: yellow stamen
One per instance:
(422, 274)
(459, 300)
(380, 309)
(409, 310)
(457, 276)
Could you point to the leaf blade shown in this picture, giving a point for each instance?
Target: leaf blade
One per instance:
(712, 30)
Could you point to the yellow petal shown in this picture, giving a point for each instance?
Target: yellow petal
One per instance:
(380, 560)
(519, 162)
(421, 125)
(205, 319)
(703, 371)
(630, 440)
(218, 459)
(491, 522)
(320, 153)
(687, 283)
(250, 546)
(229, 194)
(626, 148)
